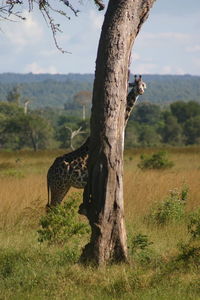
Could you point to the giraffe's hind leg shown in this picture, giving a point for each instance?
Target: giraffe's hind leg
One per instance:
(57, 195)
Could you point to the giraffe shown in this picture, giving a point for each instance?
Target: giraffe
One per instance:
(70, 170)
(138, 87)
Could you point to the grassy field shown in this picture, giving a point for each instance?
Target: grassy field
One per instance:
(164, 260)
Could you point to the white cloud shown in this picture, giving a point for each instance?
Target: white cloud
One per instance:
(37, 69)
(166, 70)
(196, 62)
(179, 70)
(144, 68)
(135, 56)
(172, 70)
(48, 52)
(193, 49)
(24, 33)
(167, 35)
(151, 68)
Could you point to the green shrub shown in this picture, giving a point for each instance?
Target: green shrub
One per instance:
(194, 224)
(140, 250)
(171, 209)
(157, 160)
(189, 253)
(9, 261)
(62, 223)
(140, 241)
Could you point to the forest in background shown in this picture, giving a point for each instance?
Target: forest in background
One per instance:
(52, 111)
(46, 90)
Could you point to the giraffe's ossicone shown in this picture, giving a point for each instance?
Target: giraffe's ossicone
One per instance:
(70, 170)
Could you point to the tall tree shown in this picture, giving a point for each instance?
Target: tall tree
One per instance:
(172, 132)
(83, 98)
(183, 111)
(192, 130)
(14, 95)
(147, 113)
(104, 190)
(22, 130)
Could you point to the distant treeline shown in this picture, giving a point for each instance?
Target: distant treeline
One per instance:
(149, 125)
(58, 91)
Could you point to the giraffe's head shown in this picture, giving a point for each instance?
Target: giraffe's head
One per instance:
(138, 85)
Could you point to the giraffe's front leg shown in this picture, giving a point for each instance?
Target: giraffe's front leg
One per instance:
(84, 207)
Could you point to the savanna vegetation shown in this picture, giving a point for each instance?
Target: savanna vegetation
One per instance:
(150, 124)
(39, 254)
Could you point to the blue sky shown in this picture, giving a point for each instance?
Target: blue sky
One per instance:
(169, 42)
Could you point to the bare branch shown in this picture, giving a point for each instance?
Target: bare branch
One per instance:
(50, 21)
(100, 4)
(73, 134)
(12, 10)
(75, 11)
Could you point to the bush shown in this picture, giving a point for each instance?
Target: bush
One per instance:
(157, 160)
(139, 248)
(171, 209)
(189, 253)
(140, 241)
(62, 223)
(194, 224)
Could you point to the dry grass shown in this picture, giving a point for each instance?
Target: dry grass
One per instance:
(23, 196)
(142, 188)
(23, 182)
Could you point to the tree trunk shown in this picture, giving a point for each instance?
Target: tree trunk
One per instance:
(34, 143)
(104, 191)
(83, 112)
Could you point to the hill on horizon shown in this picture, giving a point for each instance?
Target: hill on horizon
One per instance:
(54, 90)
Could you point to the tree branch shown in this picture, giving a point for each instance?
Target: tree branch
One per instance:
(100, 4)
(13, 9)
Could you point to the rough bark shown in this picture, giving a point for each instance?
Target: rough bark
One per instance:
(104, 190)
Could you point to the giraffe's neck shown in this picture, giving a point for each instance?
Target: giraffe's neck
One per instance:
(131, 100)
(80, 152)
